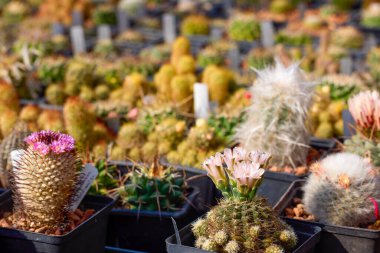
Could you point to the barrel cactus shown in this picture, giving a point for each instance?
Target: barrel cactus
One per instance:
(244, 28)
(44, 181)
(195, 25)
(242, 221)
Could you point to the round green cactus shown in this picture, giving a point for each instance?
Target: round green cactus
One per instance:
(195, 25)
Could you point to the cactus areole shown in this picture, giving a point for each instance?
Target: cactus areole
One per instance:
(242, 222)
(44, 181)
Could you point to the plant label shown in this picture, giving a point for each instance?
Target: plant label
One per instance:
(77, 39)
(267, 34)
(371, 42)
(201, 101)
(227, 6)
(216, 33)
(58, 29)
(302, 9)
(122, 20)
(169, 27)
(16, 156)
(346, 65)
(234, 57)
(77, 18)
(88, 176)
(104, 32)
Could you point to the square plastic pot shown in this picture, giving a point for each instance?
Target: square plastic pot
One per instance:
(118, 250)
(335, 239)
(308, 236)
(88, 237)
(147, 230)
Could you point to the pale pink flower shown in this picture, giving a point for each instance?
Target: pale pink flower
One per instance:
(248, 174)
(239, 154)
(259, 157)
(365, 109)
(215, 172)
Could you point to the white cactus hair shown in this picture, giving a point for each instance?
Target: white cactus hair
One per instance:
(275, 122)
(331, 203)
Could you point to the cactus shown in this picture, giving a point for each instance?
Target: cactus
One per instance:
(373, 62)
(13, 141)
(8, 120)
(87, 94)
(340, 190)
(44, 182)
(259, 58)
(244, 28)
(182, 91)
(79, 120)
(131, 37)
(241, 222)
(347, 37)
(104, 14)
(14, 12)
(52, 70)
(210, 56)
(186, 65)
(29, 113)
(281, 6)
(153, 188)
(195, 25)
(8, 97)
(102, 92)
(156, 54)
(79, 73)
(181, 47)
(293, 38)
(129, 136)
(281, 97)
(134, 86)
(162, 80)
(371, 16)
(363, 147)
(343, 5)
(51, 120)
(104, 48)
(55, 94)
(220, 82)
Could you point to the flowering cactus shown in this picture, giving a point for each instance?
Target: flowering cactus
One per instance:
(242, 222)
(365, 109)
(44, 180)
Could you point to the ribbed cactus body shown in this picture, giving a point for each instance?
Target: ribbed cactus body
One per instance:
(182, 91)
(363, 147)
(237, 226)
(340, 190)
(12, 142)
(44, 180)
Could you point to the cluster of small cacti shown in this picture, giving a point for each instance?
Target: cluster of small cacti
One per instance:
(281, 6)
(105, 180)
(44, 182)
(259, 58)
(244, 28)
(195, 25)
(210, 56)
(104, 48)
(79, 74)
(104, 14)
(347, 37)
(241, 222)
(340, 189)
(153, 188)
(329, 102)
(52, 70)
(281, 97)
(156, 54)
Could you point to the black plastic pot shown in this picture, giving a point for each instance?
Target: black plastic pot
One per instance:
(198, 41)
(335, 239)
(118, 250)
(147, 230)
(275, 184)
(308, 237)
(88, 237)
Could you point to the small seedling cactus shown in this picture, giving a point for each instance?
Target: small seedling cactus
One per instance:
(275, 122)
(153, 188)
(242, 221)
(44, 181)
(342, 190)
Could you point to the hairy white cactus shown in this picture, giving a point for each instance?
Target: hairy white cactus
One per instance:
(276, 119)
(342, 190)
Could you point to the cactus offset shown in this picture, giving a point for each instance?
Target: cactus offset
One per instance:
(44, 181)
(241, 222)
(275, 121)
(339, 190)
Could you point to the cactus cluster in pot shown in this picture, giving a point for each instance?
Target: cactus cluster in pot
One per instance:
(242, 221)
(347, 37)
(342, 190)
(153, 188)
(371, 16)
(79, 73)
(44, 182)
(210, 55)
(52, 70)
(244, 27)
(195, 25)
(365, 108)
(276, 120)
